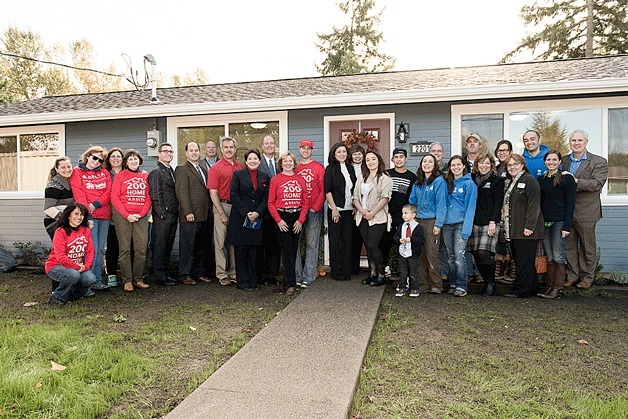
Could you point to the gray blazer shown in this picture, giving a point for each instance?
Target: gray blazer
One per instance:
(263, 167)
(591, 175)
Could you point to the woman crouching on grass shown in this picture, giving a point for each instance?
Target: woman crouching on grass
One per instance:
(71, 257)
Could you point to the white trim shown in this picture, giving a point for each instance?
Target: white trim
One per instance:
(444, 94)
(174, 123)
(40, 129)
(505, 108)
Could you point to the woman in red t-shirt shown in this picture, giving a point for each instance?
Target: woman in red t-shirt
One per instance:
(288, 205)
(131, 203)
(71, 257)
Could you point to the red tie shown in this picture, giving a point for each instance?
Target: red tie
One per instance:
(408, 231)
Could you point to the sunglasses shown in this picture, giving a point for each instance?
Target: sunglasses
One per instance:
(98, 159)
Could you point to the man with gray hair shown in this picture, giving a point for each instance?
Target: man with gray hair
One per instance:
(438, 151)
(590, 172)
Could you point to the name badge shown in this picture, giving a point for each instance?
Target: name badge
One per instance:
(521, 185)
(487, 185)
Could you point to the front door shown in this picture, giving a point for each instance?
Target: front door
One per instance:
(379, 128)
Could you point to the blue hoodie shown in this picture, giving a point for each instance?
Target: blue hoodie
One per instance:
(461, 204)
(536, 164)
(430, 200)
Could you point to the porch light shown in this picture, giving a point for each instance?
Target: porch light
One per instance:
(403, 133)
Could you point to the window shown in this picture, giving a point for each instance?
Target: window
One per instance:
(247, 129)
(26, 157)
(618, 151)
(604, 119)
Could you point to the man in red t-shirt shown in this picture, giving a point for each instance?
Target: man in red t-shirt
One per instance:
(313, 173)
(219, 185)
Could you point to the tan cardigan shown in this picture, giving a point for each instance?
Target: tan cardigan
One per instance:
(382, 189)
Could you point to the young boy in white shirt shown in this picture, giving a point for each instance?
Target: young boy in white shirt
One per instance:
(411, 237)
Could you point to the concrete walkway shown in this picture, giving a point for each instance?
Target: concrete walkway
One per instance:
(303, 364)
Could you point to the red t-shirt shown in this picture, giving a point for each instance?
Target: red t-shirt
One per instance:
(92, 187)
(129, 194)
(219, 177)
(71, 250)
(313, 174)
(286, 192)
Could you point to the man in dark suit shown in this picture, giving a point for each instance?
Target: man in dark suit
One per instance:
(193, 212)
(591, 173)
(269, 255)
(165, 210)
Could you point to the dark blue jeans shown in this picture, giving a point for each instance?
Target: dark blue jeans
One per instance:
(72, 283)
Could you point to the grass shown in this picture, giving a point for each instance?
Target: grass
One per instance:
(126, 355)
(436, 357)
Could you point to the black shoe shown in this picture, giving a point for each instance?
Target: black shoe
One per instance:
(54, 301)
(489, 289)
(379, 281)
(369, 280)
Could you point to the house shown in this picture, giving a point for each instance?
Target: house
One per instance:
(498, 101)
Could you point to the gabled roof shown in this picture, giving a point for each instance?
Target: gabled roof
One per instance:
(547, 78)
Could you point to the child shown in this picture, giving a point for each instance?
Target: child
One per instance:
(411, 237)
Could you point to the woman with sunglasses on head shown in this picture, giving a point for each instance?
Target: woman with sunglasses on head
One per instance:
(483, 240)
(113, 163)
(91, 186)
(58, 193)
(72, 254)
(131, 204)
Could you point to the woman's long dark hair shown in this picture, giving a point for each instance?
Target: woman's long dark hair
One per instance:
(332, 154)
(420, 174)
(449, 177)
(64, 220)
(559, 174)
(381, 167)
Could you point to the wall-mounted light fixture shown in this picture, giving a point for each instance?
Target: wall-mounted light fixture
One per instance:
(403, 132)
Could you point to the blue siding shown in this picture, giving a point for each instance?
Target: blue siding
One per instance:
(428, 122)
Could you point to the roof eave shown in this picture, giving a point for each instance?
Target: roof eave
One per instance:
(449, 94)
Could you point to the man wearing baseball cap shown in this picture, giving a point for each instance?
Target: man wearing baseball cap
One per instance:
(473, 146)
(402, 180)
(313, 173)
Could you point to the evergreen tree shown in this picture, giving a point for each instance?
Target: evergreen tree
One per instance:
(353, 48)
(574, 29)
(553, 134)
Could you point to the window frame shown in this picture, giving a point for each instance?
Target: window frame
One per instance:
(174, 123)
(28, 130)
(505, 108)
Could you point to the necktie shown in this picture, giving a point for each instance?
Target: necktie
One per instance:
(200, 172)
(271, 166)
(408, 231)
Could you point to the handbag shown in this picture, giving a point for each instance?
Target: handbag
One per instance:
(540, 262)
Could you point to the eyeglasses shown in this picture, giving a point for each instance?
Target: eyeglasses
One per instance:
(502, 150)
(98, 159)
(167, 151)
(513, 165)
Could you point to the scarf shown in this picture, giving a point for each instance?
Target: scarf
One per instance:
(510, 184)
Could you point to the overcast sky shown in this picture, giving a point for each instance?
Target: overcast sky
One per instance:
(242, 40)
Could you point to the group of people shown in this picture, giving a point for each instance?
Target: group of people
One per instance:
(237, 223)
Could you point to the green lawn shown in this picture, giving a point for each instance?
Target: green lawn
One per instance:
(437, 356)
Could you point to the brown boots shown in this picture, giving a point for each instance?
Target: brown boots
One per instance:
(555, 281)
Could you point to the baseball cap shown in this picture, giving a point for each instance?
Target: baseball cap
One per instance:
(474, 135)
(306, 143)
(400, 150)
